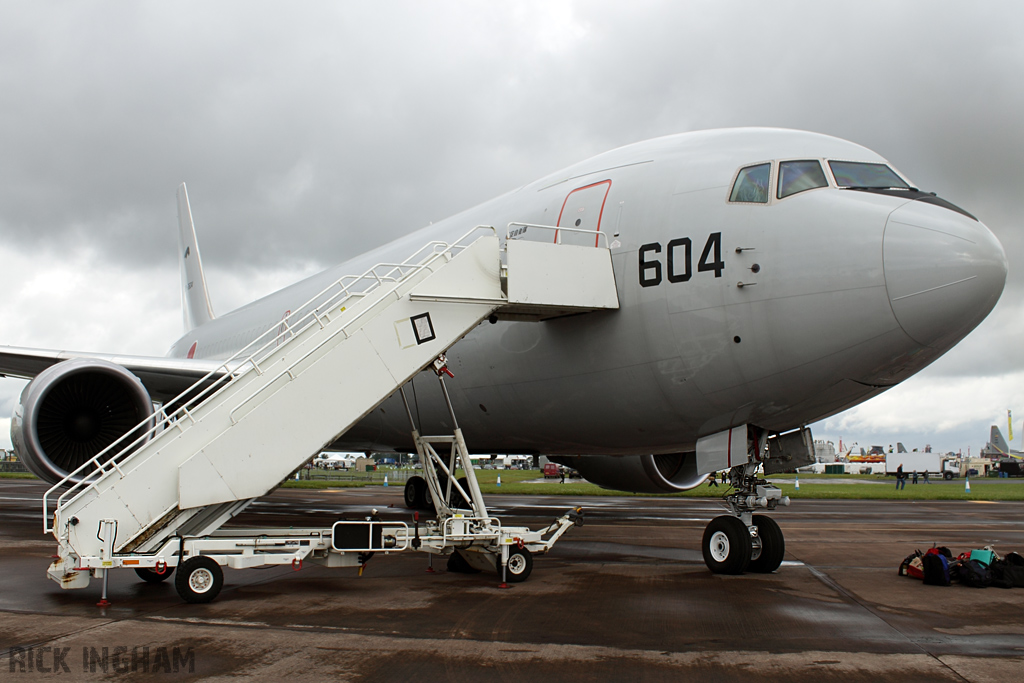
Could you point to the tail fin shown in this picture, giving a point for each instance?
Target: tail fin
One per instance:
(900, 448)
(195, 301)
(995, 438)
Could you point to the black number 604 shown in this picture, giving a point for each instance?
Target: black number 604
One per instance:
(678, 260)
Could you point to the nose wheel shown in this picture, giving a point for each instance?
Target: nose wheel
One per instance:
(768, 557)
(727, 546)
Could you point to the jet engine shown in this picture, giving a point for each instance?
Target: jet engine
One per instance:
(73, 410)
(666, 473)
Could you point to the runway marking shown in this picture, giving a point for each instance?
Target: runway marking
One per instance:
(208, 622)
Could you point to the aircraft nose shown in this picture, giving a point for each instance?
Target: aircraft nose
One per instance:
(944, 272)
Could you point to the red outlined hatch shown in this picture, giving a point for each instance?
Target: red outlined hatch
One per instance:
(583, 208)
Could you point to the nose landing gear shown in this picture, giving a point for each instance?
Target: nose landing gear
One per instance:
(744, 541)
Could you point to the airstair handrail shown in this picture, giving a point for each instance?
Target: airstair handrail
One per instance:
(332, 297)
(557, 228)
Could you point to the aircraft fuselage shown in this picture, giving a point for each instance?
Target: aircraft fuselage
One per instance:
(776, 313)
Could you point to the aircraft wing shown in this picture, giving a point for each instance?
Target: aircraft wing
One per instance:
(164, 378)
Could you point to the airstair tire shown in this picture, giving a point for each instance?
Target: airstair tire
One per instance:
(773, 545)
(154, 576)
(520, 564)
(199, 579)
(726, 545)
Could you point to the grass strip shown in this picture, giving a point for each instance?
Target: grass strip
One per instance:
(812, 486)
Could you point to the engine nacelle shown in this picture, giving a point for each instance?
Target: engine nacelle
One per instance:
(667, 473)
(73, 410)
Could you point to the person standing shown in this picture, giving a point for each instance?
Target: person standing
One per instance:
(900, 481)
(713, 480)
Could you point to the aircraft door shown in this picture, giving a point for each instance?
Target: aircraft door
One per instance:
(583, 209)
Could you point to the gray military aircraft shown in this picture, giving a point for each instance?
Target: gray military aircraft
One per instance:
(998, 448)
(767, 279)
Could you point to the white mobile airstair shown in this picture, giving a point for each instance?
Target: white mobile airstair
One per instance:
(160, 494)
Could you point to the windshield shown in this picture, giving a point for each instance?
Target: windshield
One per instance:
(752, 184)
(859, 174)
(797, 176)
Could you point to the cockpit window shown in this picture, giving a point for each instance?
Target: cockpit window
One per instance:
(859, 174)
(752, 184)
(797, 176)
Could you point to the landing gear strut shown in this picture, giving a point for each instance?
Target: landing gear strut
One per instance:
(744, 541)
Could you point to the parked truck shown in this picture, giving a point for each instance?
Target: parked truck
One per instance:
(935, 464)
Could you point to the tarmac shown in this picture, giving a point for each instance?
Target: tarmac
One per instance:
(626, 597)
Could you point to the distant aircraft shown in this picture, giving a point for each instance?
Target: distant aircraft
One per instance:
(737, 255)
(997, 446)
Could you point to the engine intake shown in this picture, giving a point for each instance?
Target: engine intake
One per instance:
(664, 473)
(73, 410)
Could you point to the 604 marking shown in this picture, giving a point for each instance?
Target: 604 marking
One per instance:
(678, 260)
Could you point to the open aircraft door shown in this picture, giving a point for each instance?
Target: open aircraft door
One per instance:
(583, 209)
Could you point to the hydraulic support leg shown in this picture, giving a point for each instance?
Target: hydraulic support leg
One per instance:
(475, 541)
(441, 492)
(106, 533)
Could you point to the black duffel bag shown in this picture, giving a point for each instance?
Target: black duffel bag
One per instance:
(1007, 574)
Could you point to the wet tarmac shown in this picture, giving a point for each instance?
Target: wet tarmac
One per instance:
(624, 598)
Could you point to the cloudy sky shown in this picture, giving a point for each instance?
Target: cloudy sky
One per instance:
(309, 132)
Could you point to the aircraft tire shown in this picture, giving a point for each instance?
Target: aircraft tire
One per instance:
(423, 494)
(413, 495)
(152, 575)
(519, 567)
(773, 545)
(199, 580)
(457, 500)
(726, 545)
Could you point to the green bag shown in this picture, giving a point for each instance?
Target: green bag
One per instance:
(984, 556)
